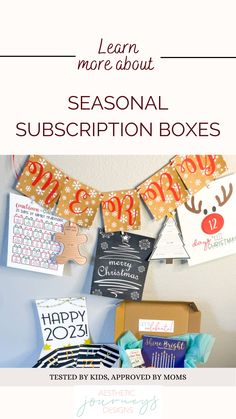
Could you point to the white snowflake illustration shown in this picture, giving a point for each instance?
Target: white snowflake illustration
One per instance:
(39, 191)
(198, 182)
(89, 212)
(93, 193)
(28, 188)
(129, 193)
(144, 244)
(66, 211)
(185, 176)
(76, 184)
(104, 245)
(114, 225)
(64, 198)
(114, 214)
(105, 235)
(112, 194)
(67, 189)
(169, 199)
(147, 182)
(27, 173)
(134, 295)
(58, 174)
(97, 292)
(141, 269)
(158, 199)
(123, 219)
(161, 209)
(41, 202)
(42, 162)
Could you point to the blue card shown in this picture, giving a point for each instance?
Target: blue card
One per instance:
(163, 353)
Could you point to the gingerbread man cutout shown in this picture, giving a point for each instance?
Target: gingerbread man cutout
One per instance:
(71, 239)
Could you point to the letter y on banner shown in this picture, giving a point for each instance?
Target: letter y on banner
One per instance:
(198, 170)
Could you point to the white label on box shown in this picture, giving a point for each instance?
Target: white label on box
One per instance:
(165, 326)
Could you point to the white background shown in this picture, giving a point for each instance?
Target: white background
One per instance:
(37, 89)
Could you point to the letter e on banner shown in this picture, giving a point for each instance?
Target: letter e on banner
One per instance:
(78, 203)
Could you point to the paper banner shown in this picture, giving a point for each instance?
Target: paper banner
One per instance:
(198, 170)
(121, 210)
(41, 181)
(121, 265)
(30, 237)
(63, 322)
(163, 192)
(78, 203)
(207, 221)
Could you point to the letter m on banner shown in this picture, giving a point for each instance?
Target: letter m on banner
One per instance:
(41, 181)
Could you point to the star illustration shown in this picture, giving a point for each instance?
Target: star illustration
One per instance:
(125, 238)
(87, 342)
(47, 347)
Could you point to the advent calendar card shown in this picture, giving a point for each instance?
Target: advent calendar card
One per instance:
(208, 221)
(30, 237)
(121, 265)
(64, 322)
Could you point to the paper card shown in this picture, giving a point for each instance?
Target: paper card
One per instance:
(169, 244)
(158, 326)
(41, 181)
(197, 171)
(207, 221)
(30, 237)
(63, 321)
(121, 265)
(121, 210)
(135, 357)
(163, 353)
(71, 239)
(78, 203)
(163, 192)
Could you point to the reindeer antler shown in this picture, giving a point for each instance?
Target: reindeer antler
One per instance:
(192, 208)
(225, 196)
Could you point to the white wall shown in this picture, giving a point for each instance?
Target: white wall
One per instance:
(212, 285)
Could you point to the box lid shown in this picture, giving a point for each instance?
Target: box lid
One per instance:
(183, 316)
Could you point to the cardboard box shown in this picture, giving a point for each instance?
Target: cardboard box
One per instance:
(157, 318)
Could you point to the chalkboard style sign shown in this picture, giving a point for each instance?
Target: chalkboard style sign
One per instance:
(121, 265)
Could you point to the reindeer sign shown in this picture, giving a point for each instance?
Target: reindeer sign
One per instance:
(207, 221)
